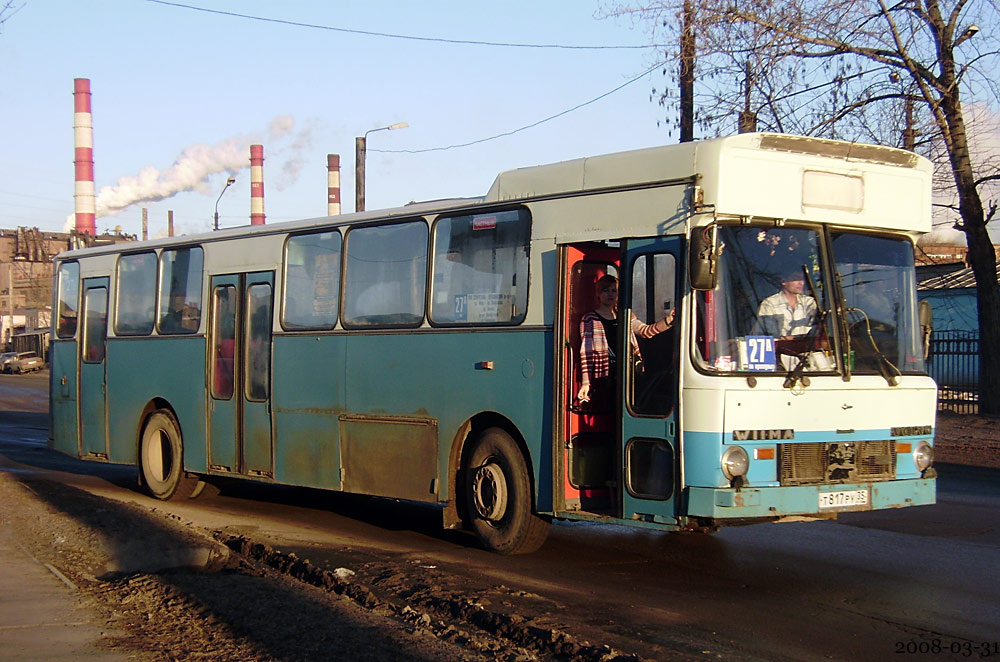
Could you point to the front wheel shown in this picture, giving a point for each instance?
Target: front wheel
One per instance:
(498, 496)
(161, 458)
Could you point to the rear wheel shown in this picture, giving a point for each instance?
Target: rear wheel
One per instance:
(498, 496)
(161, 458)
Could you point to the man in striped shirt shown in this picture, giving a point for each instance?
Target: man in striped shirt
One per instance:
(789, 312)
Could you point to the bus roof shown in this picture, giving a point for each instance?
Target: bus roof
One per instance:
(819, 179)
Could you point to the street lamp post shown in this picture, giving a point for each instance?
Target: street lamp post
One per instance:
(229, 182)
(360, 150)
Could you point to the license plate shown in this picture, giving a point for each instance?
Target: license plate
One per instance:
(843, 499)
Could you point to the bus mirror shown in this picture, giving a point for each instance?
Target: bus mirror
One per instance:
(704, 258)
(926, 314)
(926, 325)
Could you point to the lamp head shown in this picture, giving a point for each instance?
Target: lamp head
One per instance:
(969, 33)
(230, 181)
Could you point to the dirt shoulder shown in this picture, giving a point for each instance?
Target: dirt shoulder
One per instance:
(162, 589)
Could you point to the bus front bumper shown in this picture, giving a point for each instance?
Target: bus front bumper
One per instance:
(807, 500)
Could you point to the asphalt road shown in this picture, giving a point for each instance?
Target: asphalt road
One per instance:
(917, 583)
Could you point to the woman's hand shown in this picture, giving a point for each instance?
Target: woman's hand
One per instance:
(584, 394)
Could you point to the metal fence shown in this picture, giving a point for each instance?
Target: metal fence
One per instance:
(954, 365)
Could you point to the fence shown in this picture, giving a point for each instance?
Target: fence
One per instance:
(954, 365)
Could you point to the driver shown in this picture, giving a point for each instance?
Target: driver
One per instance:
(789, 312)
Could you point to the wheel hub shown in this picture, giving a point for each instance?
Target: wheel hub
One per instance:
(489, 490)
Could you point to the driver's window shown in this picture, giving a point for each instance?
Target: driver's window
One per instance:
(766, 314)
(651, 298)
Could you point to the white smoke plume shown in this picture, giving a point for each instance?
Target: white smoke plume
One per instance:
(195, 165)
(296, 156)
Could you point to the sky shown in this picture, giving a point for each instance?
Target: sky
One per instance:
(179, 94)
(181, 89)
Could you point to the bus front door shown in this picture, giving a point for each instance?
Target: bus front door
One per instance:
(93, 377)
(650, 460)
(240, 438)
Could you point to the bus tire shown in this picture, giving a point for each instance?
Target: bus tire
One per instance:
(498, 496)
(161, 458)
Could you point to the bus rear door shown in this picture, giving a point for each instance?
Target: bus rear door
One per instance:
(64, 354)
(93, 376)
(239, 376)
(649, 455)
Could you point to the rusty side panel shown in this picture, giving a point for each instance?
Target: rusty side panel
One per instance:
(390, 456)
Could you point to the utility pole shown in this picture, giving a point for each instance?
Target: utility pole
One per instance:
(9, 334)
(687, 74)
(359, 172)
(360, 151)
(748, 119)
(170, 222)
(909, 133)
(145, 224)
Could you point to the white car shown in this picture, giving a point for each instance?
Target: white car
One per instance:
(23, 362)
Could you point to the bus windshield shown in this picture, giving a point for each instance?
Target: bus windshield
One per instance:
(773, 311)
(880, 295)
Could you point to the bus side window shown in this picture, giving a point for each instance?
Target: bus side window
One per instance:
(224, 352)
(312, 281)
(180, 290)
(69, 297)
(385, 275)
(481, 268)
(136, 282)
(95, 325)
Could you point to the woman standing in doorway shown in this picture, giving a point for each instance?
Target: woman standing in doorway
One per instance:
(597, 355)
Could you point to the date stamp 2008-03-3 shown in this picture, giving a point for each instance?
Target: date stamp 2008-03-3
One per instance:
(956, 647)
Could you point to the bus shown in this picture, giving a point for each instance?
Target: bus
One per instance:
(431, 353)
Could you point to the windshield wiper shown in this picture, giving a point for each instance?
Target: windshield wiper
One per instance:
(840, 306)
(885, 366)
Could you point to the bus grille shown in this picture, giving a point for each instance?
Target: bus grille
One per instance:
(843, 462)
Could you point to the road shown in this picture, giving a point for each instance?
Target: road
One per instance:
(870, 585)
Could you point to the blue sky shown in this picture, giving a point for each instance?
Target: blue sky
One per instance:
(166, 79)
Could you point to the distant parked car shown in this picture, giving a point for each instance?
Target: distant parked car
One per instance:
(24, 362)
(6, 358)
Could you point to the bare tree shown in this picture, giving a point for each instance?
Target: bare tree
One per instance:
(859, 70)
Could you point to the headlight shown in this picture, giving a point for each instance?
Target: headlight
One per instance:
(923, 455)
(735, 462)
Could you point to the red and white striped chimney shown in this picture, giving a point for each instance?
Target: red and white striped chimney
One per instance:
(83, 158)
(256, 185)
(333, 184)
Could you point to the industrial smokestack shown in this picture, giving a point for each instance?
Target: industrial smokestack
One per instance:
(256, 185)
(83, 158)
(333, 184)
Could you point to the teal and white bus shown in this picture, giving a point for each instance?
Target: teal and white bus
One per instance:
(431, 353)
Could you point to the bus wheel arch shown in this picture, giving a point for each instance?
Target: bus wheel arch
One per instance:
(161, 454)
(496, 489)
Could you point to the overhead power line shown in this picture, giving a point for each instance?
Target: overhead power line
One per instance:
(389, 35)
(523, 128)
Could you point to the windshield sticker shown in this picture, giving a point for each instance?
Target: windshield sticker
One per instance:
(757, 353)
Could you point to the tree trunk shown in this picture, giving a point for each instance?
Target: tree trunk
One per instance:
(982, 258)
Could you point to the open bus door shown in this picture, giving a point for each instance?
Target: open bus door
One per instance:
(649, 453)
(239, 376)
